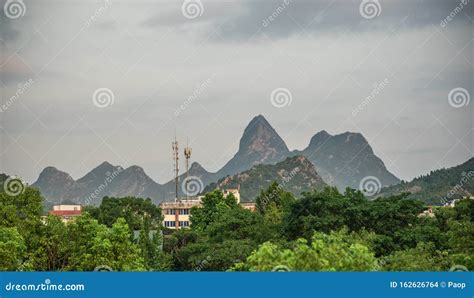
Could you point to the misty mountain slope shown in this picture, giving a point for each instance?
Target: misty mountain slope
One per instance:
(345, 159)
(104, 180)
(439, 186)
(260, 144)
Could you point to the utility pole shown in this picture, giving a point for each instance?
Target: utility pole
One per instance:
(187, 155)
(176, 165)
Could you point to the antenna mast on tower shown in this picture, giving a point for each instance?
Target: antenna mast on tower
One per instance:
(187, 155)
(176, 165)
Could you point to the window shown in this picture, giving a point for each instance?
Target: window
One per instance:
(170, 211)
(183, 211)
(170, 224)
(184, 223)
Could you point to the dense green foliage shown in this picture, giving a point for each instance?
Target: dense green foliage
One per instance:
(322, 231)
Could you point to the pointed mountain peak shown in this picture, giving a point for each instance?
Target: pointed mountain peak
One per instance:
(260, 136)
(319, 139)
(100, 172)
(52, 172)
(195, 167)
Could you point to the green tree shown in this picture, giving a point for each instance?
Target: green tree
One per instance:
(424, 257)
(12, 249)
(212, 203)
(337, 251)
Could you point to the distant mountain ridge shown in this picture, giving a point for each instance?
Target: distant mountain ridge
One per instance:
(438, 187)
(345, 159)
(341, 160)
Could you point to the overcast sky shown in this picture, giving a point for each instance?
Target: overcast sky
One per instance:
(205, 73)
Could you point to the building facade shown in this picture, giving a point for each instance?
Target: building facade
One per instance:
(66, 212)
(176, 214)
